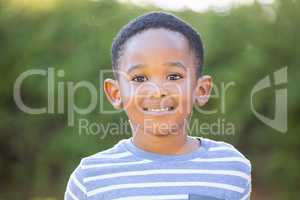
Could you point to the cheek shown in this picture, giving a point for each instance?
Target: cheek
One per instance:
(185, 98)
(126, 93)
(136, 93)
(131, 95)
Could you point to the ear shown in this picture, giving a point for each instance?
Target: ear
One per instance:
(203, 90)
(112, 91)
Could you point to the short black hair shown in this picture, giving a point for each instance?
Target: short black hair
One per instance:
(154, 20)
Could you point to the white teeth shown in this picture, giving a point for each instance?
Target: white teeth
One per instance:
(158, 109)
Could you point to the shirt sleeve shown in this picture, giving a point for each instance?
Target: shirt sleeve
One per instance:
(248, 187)
(76, 189)
(247, 193)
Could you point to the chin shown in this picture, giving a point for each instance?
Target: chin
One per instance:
(162, 132)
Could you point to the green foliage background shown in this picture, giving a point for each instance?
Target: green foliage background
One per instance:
(243, 45)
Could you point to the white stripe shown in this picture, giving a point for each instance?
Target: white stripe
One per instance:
(72, 195)
(78, 184)
(114, 164)
(112, 155)
(165, 184)
(224, 159)
(226, 148)
(167, 171)
(220, 148)
(246, 196)
(107, 151)
(154, 197)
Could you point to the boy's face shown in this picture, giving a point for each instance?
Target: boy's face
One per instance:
(157, 84)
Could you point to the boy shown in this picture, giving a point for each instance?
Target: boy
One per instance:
(157, 61)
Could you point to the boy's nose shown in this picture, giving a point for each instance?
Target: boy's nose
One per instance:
(159, 95)
(155, 90)
(159, 92)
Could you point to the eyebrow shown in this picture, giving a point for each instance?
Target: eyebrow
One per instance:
(176, 64)
(134, 67)
(170, 64)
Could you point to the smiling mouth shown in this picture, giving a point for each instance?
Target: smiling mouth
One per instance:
(159, 109)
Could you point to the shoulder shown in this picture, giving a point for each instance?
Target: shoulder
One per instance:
(220, 146)
(89, 166)
(117, 153)
(226, 152)
(225, 157)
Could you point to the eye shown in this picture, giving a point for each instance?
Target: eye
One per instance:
(139, 78)
(174, 77)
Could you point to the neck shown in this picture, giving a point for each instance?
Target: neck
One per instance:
(171, 144)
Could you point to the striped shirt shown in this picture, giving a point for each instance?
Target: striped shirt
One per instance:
(216, 170)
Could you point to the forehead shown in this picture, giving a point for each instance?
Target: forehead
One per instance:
(154, 47)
